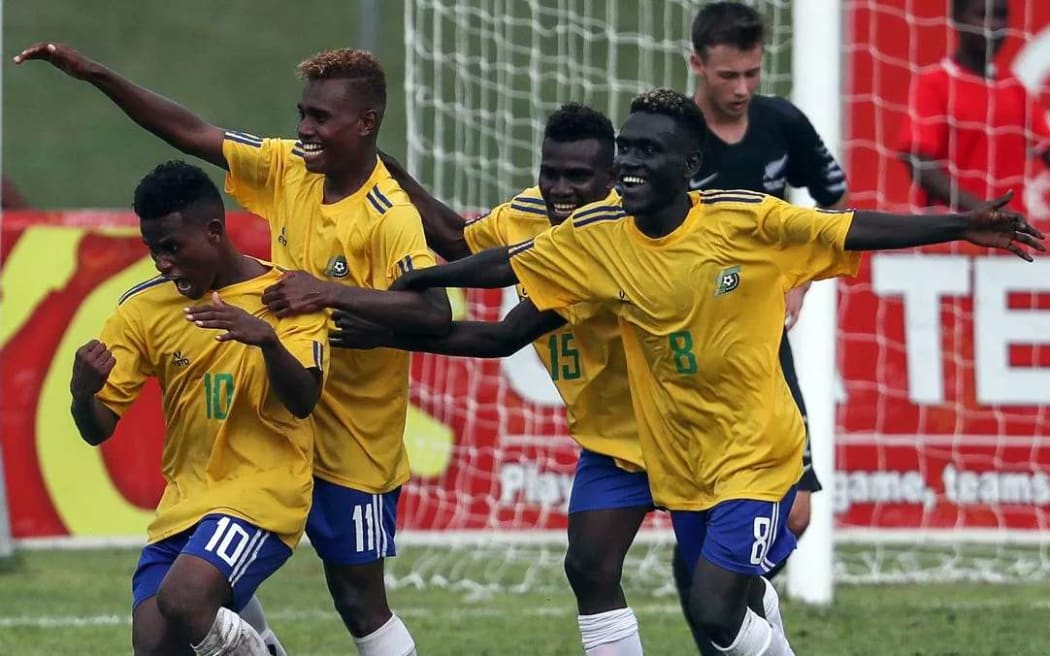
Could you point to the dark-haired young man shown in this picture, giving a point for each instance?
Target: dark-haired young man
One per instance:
(237, 452)
(610, 493)
(697, 281)
(763, 144)
(337, 216)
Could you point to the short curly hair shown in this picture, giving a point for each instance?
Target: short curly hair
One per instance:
(359, 67)
(681, 108)
(576, 122)
(176, 186)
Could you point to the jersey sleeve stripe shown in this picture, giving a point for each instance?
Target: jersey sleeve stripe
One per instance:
(375, 203)
(233, 136)
(732, 192)
(519, 248)
(152, 282)
(381, 198)
(529, 199)
(730, 199)
(245, 135)
(588, 220)
(528, 210)
(595, 210)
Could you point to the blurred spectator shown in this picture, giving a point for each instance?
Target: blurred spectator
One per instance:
(10, 196)
(972, 132)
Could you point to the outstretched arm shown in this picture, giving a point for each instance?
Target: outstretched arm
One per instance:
(426, 312)
(989, 225)
(479, 339)
(168, 120)
(489, 269)
(442, 225)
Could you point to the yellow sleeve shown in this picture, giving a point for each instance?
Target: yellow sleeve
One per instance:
(398, 243)
(558, 273)
(306, 338)
(122, 336)
(488, 231)
(811, 242)
(256, 167)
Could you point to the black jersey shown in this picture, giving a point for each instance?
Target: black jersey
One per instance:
(780, 148)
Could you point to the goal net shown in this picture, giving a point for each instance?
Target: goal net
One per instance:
(942, 461)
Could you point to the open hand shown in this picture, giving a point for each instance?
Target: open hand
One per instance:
(793, 300)
(297, 292)
(62, 57)
(91, 366)
(238, 324)
(357, 333)
(993, 226)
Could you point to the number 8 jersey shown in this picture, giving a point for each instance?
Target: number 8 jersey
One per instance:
(701, 311)
(230, 445)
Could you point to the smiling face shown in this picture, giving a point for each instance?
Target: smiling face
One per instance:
(654, 162)
(573, 173)
(334, 128)
(185, 247)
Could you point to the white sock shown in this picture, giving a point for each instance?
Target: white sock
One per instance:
(391, 639)
(757, 637)
(230, 636)
(771, 604)
(253, 614)
(612, 633)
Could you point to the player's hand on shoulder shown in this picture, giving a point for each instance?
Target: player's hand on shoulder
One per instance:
(993, 225)
(92, 364)
(60, 56)
(353, 332)
(238, 324)
(297, 292)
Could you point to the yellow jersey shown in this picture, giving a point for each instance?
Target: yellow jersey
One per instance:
(365, 240)
(230, 446)
(585, 359)
(701, 311)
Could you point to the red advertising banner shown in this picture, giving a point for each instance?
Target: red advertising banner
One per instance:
(943, 355)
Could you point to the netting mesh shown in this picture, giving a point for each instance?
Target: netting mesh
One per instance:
(927, 488)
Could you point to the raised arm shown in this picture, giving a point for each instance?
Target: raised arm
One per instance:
(92, 365)
(442, 225)
(170, 121)
(989, 225)
(479, 339)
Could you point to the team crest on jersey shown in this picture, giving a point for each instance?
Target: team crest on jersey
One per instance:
(178, 360)
(337, 267)
(727, 281)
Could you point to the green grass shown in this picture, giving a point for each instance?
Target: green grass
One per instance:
(232, 62)
(76, 602)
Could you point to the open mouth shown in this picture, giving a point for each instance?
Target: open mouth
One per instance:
(182, 285)
(564, 209)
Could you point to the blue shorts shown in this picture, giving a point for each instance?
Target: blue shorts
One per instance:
(743, 536)
(350, 527)
(245, 554)
(600, 485)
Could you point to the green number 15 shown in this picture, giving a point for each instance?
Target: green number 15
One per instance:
(565, 360)
(218, 393)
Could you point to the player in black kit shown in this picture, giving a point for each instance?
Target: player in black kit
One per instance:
(760, 143)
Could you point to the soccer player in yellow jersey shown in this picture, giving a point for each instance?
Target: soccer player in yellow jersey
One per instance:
(697, 284)
(610, 492)
(337, 216)
(238, 448)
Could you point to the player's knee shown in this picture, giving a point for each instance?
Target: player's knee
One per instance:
(186, 607)
(590, 571)
(362, 608)
(715, 618)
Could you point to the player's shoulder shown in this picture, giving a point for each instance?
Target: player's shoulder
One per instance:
(775, 108)
(528, 201)
(384, 195)
(601, 215)
(734, 205)
(147, 294)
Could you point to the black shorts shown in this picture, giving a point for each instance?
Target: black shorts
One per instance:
(809, 481)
